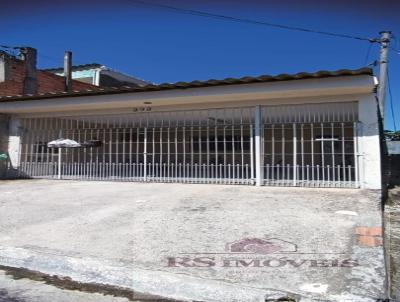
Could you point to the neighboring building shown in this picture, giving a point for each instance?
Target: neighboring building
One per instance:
(391, 162)
(100, 75)
(19, 76)
(308, 129)
(393, 147)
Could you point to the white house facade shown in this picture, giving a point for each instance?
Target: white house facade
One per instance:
(308, 130)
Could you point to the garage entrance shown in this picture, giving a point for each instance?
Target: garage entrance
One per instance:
(304, 145)
(310, 145)
(202, 146)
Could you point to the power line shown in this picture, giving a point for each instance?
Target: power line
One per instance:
(249, 21)
(367, 55)
(391, 102)
(395, 50)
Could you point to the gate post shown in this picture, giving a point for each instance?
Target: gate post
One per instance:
(258, 146)
(14, 143)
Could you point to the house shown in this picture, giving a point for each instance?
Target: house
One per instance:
(99, 75)
(315, 129)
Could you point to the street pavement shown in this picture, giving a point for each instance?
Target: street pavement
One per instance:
(198, 242)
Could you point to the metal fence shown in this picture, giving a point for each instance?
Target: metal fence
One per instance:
(202, 146)
(299, 146)
(310, 145)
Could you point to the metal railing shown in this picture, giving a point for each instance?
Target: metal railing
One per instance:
(296, 146)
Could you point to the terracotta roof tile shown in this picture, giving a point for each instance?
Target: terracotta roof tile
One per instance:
(93, 90)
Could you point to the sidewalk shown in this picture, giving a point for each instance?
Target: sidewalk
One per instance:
(198, 242)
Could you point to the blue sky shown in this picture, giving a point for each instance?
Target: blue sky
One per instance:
(165, 46)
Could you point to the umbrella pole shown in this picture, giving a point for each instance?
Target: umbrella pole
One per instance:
(59, 163)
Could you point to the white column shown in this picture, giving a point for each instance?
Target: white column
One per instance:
(4, 120)
(14, 142)
(258, 146)
(369, 151)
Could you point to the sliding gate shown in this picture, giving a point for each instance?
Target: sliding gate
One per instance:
(304, 145)
(198, 146)
(310, 145)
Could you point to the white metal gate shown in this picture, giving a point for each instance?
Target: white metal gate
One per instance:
(305, 145)
(310, 145)
(198, 146)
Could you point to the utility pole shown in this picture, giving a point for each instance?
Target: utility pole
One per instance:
(383, 66)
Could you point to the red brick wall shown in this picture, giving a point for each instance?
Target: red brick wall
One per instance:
(47, 82)
(16, 74)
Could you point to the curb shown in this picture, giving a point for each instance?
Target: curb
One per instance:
(158, 283)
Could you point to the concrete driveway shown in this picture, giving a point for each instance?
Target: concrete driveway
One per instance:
(198, 242)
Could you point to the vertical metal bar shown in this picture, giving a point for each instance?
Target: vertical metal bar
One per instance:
(130, 150)
(224, 133)
(343, 154)
(322, 153)
(302, 154)
(283, 154)
(123, 150)
(312, 153)
(145, 155)
(241, 145)
(85, 150)
(59, 158)
(208, 148)
(138, 142)
(294, 154)
(333, 152)
(176, 153)
(258, 133)
(184, 149)
(169, 148)
(153, 152)
(161, 148)
(216, 145)
(233, 144)
(110, 150)
(42, 146)
(200, 158)
(191, 173)
(37, 146)
(273, 152)
(355, 150)
(252, 153)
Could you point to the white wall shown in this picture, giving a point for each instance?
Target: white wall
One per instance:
(369, 144)
(14, 142)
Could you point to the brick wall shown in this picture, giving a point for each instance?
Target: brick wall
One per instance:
(47, 82)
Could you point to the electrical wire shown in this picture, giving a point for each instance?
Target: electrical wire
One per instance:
(397, 51)
(391, 102)
(367, 55)
(250, 21)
